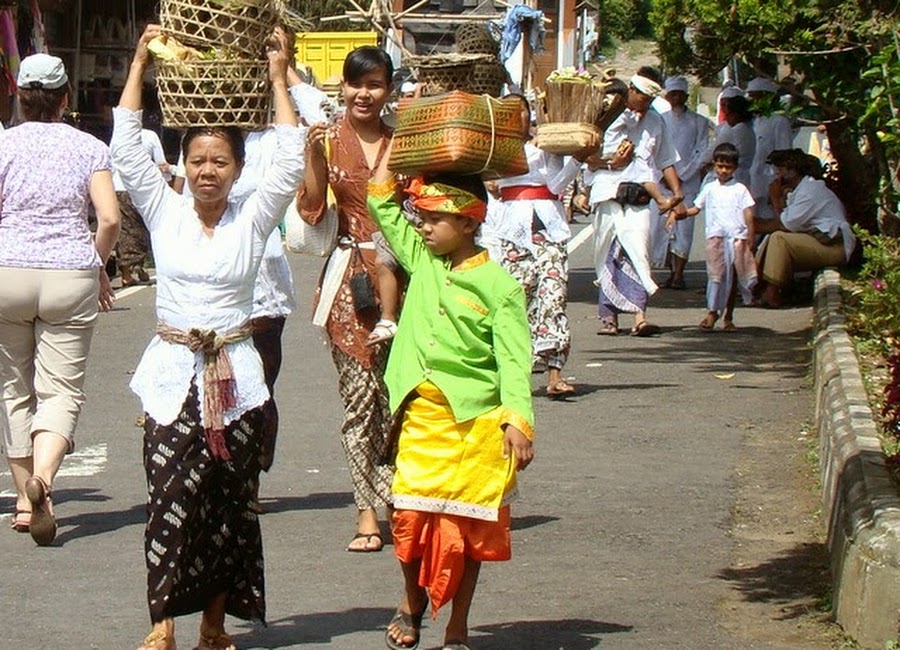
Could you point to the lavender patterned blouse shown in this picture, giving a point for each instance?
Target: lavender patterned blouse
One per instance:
(45, 175)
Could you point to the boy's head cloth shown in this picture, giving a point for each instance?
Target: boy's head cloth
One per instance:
(439, 197)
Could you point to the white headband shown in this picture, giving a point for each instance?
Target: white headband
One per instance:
(646, 86)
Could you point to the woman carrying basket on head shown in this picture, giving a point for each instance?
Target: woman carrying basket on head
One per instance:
(201, 379)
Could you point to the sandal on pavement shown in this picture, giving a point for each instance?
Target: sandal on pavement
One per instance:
(708, 322)
(368, 548)
(21, 521)
(219, 641)
(608, 328)
(455, 646)
(729, 326)
(409, 625)
(560, 389)
(644, 329)
(158, 640)
(384, 330)
(43, 524)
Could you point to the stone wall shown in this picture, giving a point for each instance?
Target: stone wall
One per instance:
(861, 503)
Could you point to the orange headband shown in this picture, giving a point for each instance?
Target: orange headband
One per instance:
(438, 197)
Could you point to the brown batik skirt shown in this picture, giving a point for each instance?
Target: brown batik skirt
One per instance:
(202, 538)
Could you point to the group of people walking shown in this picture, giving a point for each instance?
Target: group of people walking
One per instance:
(438, 413)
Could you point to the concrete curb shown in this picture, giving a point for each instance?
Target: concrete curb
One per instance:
(861, 503)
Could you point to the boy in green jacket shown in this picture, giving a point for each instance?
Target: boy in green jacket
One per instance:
(460, 368)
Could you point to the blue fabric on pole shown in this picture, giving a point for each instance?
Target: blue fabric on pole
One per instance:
(512, 30)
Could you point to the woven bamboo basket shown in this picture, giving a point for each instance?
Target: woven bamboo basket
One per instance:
(239, 26)
(459, 133)
(472, 38)
(443, 73)
(214, 93)
(488, 79)
(567, 138)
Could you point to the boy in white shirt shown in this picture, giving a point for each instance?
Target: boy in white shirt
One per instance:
(729, 210)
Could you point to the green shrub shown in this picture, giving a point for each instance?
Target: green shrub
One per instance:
(873, 312)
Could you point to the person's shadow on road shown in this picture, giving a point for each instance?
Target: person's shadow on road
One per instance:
(324, 627)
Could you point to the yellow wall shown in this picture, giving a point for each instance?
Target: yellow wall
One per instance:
(325, 52)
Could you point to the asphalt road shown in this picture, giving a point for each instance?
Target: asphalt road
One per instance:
(620, 536)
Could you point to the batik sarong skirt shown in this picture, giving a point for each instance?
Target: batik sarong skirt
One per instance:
(202, 537)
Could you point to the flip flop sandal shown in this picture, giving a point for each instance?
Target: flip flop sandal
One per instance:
(21, 521)
(368, 537)
(645, 329)
(43, 524)
(384, 330)
(708, 323)
(409, 625)
(608, 329)
(560, 389)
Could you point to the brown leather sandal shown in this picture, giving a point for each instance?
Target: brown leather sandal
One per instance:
(21, 521)
(43, 523)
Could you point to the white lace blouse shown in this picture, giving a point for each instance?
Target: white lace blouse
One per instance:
(203, 282)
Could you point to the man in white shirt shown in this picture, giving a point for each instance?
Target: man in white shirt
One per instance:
(622, 232)
(690, 135)
(773, 132)
(810, 230)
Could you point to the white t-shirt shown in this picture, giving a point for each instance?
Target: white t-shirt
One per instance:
(724, 205)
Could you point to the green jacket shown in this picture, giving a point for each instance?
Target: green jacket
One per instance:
(464, 330)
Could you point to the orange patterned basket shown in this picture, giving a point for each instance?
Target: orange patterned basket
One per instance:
(459, 133)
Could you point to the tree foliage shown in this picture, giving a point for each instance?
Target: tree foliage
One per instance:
(841, 55)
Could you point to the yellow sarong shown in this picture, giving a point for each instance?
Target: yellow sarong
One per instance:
(451, 467)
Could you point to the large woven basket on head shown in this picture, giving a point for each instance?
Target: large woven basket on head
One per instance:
(567, 138)
(214, 93)
(474, 38)
(459, 133)
(443, 73)
(488, 79)
(239, 26)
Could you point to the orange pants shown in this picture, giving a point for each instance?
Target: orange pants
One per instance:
(443, 542)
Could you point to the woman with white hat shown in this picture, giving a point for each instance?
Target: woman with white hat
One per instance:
(52, 282)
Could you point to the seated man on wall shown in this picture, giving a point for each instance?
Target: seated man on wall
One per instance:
(810, 230)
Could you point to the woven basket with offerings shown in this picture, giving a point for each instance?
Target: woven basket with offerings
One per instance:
(240, 26)
(459, 133)
(567, 112)
(443, 73)
(198, 89)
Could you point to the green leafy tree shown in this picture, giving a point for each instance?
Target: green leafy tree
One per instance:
(838, 55)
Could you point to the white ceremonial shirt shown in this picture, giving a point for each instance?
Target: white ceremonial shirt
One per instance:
(203, 282)
(773, 133)
(653, 149)
(690, 136)
(723, 206)
(812, 206)
(511, 220)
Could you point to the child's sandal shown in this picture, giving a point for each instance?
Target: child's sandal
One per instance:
(384, 330)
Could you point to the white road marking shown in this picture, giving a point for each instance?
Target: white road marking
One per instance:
(580, 238)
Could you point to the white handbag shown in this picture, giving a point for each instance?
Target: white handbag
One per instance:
(302, 238)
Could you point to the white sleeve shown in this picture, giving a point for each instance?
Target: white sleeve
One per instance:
(140, 175)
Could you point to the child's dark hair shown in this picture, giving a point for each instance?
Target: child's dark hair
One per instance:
(726, 153)
(469, 183)
(366, 59)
